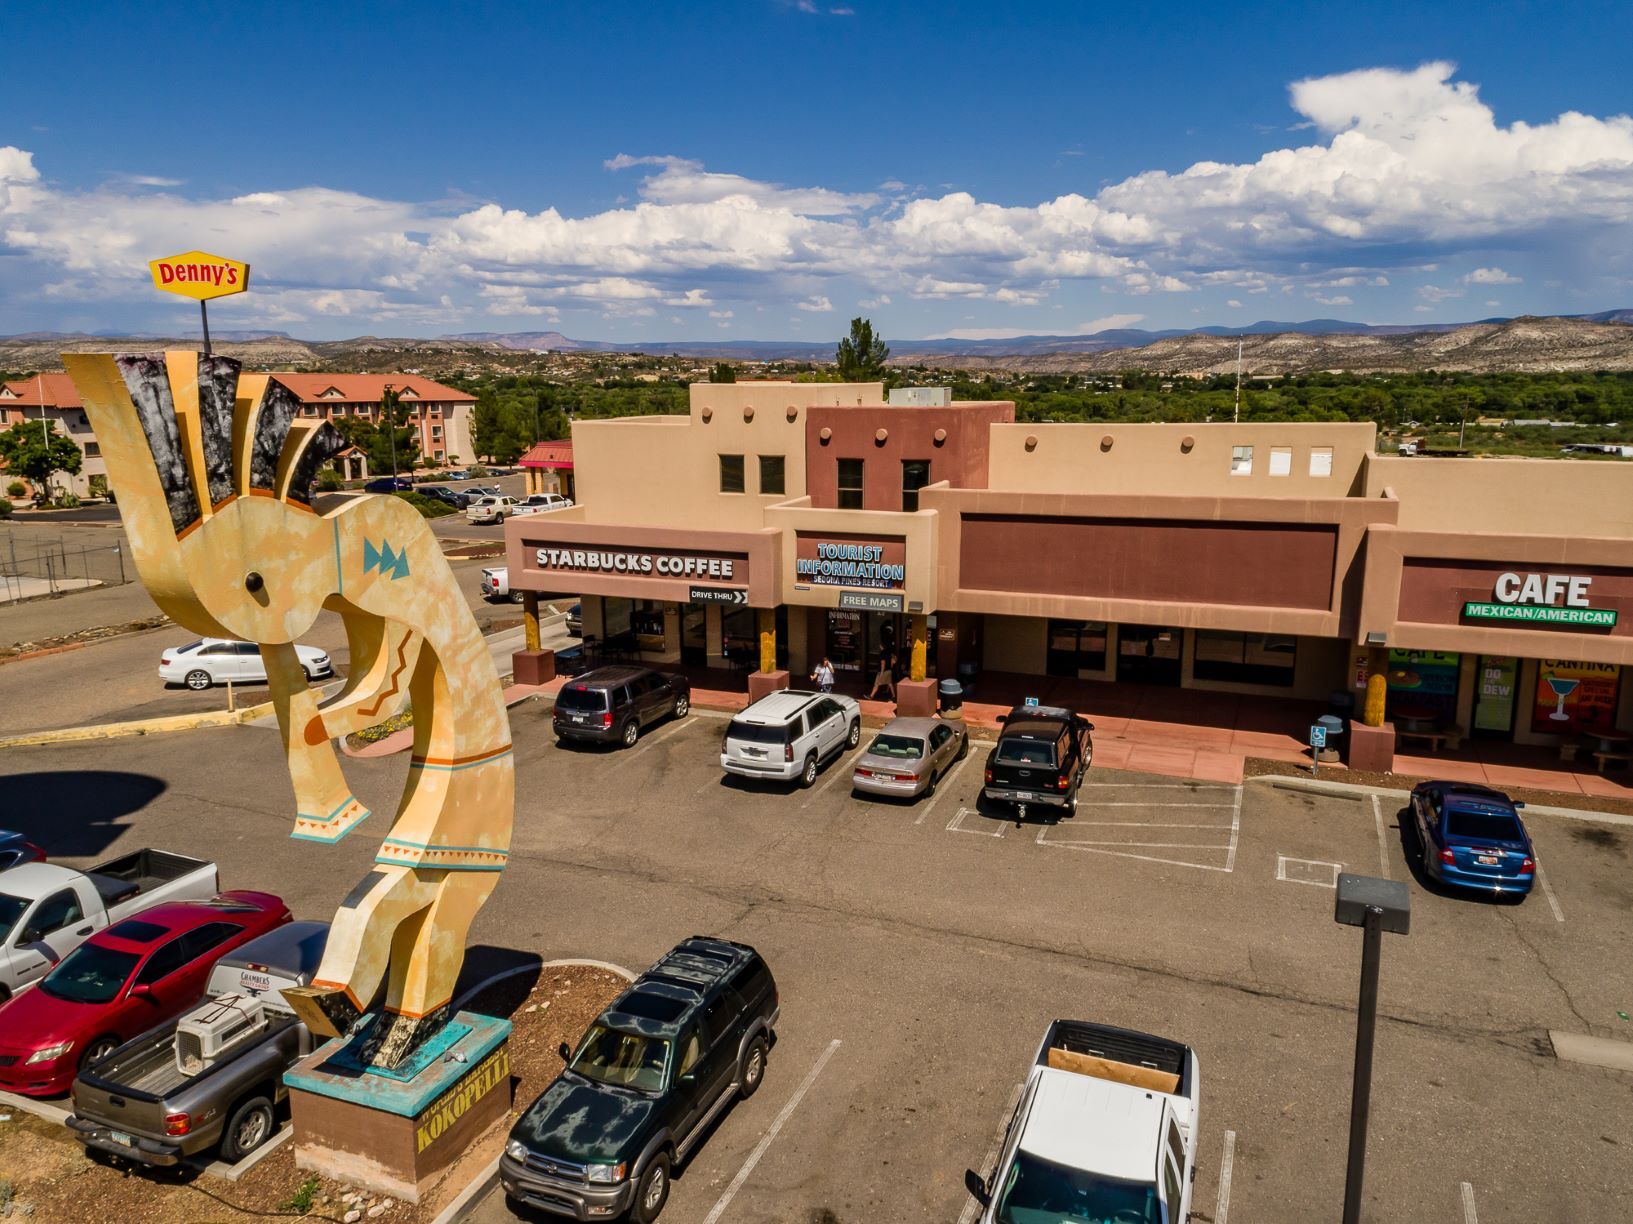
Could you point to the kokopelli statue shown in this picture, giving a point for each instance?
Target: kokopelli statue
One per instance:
(213, 470)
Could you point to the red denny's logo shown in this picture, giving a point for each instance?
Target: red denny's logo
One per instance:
(200, 275)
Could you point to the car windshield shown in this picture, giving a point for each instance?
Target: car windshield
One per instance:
(1482, 826)
(90, 974)
(581, 699)
(626, 1060)
(1040, 1192)
(757, 733)
(11, 909)
(902, 747)
(1026, 752)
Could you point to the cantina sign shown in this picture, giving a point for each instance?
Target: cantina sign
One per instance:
(872, 562)
(1552, 599)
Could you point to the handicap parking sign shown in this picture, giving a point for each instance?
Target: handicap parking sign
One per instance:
(1031, 701)
(1318, 737)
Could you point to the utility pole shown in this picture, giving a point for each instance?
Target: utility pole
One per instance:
(1462, 421)
(1236, 412)
(391, 426)
(45, 429)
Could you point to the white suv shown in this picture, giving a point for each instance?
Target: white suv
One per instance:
(490, 509)
(789, 734)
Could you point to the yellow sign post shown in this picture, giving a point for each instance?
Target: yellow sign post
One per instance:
(200, 276)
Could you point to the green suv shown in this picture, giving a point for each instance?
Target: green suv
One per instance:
(646, 1080)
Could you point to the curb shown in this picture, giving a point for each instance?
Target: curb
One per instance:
(485, 1180)
(142, 726)
(1351, 790)
(40, 654)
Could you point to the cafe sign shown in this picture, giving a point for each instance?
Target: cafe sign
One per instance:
(1552, 599)
(639, 564)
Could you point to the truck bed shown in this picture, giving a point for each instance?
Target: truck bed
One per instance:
(120, 879)
(1077, 1045)
(146, 1069)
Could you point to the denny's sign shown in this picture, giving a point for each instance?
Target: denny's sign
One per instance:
(1546, 599)
(199, 275)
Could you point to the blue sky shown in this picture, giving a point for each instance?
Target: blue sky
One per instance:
(769, 169)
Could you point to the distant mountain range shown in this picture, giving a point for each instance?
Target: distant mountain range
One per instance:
(1602, 341)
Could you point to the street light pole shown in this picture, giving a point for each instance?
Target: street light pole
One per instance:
(391, 427)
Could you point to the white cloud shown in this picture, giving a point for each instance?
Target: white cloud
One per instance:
(816, 305)
(720, 314)
(874, 303)
(1434, 293)
(1401, 170)
(1107, 323)
(1493, 302)
(1338, 299)
(1233, 304)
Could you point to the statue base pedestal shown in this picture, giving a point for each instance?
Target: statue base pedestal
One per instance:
(399, 1132)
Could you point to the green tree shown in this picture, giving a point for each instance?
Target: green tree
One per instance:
(404, 447)
(28, 451)
(861, 355)
(723, 372)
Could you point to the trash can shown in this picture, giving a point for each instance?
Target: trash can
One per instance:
(1335, 730)
(952, 698)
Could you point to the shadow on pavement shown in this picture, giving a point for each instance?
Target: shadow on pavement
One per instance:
(76, 812)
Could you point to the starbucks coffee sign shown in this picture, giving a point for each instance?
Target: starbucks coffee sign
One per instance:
(1557, 599)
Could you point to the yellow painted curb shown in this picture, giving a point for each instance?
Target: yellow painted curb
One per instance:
(141, 726)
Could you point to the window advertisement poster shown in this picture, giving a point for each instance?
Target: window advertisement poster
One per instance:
(845, 640)
(1575, 697)
(1494, 698)
(1423, 684)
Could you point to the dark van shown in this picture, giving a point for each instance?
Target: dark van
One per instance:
(612, 705)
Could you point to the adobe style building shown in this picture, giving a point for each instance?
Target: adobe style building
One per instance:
(778, 523)
(52, 396)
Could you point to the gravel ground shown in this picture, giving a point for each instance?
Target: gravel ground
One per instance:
(45, 1175)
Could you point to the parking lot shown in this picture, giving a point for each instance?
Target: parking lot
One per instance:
(921, 949)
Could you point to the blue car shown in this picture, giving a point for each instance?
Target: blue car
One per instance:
(387, 484)
(1473, 837)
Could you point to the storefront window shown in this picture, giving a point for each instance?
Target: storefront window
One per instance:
(1245, 658)
(915, 475)
(1076, 646)
(846, 644)
(850, 484)
(1423, 685)
(731, 473)
(771, 474)
(646, 621)
(1575, 698)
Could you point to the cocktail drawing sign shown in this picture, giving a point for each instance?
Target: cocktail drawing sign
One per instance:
(1563, 688)
(200, 276)
(1575, 697)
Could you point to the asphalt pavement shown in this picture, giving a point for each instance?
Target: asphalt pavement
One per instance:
(921, 949)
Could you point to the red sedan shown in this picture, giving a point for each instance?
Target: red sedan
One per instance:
(123, 981)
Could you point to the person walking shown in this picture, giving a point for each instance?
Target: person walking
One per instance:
(824, 675)
(886, 678)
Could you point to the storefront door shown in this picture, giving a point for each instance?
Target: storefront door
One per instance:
(1496, 684)
(1149, 654)
(694, 641)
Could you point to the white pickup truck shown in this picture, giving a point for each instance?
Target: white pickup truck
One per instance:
(47, 911)
(1105, 1131)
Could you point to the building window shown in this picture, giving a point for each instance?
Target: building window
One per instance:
(1076, 646)
(1281, 460)
(1241, 461)
(731, 473)
(915, 475)
(93, 450)
(1321, 461)
(772, 479)
(850, 484)
(1245, 658)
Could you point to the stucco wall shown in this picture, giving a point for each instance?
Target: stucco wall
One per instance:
(1152, 458)
(1577, 497)
(959, 458)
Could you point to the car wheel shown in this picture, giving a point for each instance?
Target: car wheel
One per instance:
(855, 736)
(683, 705)
(1071, 807)
(930, 789)
(652, 1191)
(198, 680)
(251, 1125)
(309, 674)
(963, 749)
(752, 1071)
(499, 518)
(97, 1051)
(5, 994)
(632, 732)
(517, 597)
(808, 775)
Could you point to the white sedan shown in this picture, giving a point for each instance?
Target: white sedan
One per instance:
(209, 661)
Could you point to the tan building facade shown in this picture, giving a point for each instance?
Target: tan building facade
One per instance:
(807, 520)
(52, 397)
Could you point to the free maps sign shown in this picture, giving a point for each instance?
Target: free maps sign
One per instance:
(199, 275)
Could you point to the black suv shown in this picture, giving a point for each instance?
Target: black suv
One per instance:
(645, 1082)
(1040, 758)
(611, 705)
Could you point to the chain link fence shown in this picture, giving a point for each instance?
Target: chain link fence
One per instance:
(39, 562)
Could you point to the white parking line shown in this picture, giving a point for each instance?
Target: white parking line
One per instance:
(1235, 830)
(1227, 1165)
(655, 737)
(719, 1208)
(1144, 858)
(1316, 872)
(1097, 804)
(838, 768)
(972, 1208)
(946, 784)
(1468, 1205)
(1383, 846)
(1548, 891)
(956, 825)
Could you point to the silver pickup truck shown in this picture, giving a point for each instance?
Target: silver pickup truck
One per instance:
(213, 1077)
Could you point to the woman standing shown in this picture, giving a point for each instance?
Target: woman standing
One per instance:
(824, 675)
